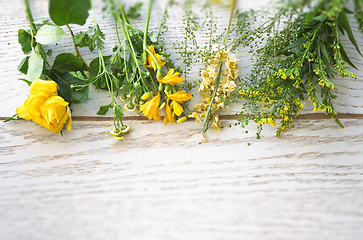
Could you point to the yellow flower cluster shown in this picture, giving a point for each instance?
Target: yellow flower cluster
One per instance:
(226, 87)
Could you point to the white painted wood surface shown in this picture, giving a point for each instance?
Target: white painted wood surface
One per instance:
(163, 182)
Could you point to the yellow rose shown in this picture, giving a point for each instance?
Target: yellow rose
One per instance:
(45, 107)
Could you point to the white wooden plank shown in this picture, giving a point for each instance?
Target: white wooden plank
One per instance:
(161, 183)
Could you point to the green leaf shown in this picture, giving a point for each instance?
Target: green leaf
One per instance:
(104, 109)
(66, 62)
(47, 34)
(35, 68)
(328, 70)
(321, 18)
(64, 12)
(343, 20)
(81, 39)
(41, 21)
(118, 111)
(26, 81)
(325, 53)
(70, 88)
(14, 117)
(23, 66)
(25, 39)
(346, 58)
(297, 43)
(133, 11)
(153, 36)
(96, 39)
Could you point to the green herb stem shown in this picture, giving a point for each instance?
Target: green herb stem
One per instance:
(75, 46)
(147, 24)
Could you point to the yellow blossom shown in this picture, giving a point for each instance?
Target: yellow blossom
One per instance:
(180, 96)
(177, 98)
(45, 107)
(169, 116)
(172, 78)
(150, 109)
(151, 62)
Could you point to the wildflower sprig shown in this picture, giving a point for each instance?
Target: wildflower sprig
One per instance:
(301, 54)
(148, 76)
(216, 85)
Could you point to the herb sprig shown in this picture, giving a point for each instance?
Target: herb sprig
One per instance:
(301, 54)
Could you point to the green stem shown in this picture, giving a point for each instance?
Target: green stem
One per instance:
(75, 47)
(207, 117)
(29, 16)
(147, 24)
(123, 25)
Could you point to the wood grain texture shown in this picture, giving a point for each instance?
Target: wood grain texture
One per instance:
(162, 184)
(165, 182)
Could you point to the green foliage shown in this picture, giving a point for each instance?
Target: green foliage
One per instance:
(133, 11)
(72, 89)
(35, 67)
(296, 62)
(92, 38)
(69, 11)
(23, 66)
(47, 34)
(25, 39)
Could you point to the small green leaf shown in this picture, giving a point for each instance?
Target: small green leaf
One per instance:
(81, 39)
(96, 38)
(133, 11)
(103, 110)
(26, 81)
(325, 53)
(41, 21)
(328, 70)
(153, 36)
(14, 117)
(35, 68)
(297, 43)
(118, 111)
(321, 18)
(25, 39)
(70, 88)
(66, 62)
(64, 12)
(47, 34)
(23, 66)
(343, 20)
(345, 57)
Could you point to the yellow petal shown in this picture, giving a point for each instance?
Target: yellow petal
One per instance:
(177, 108)
(180, 96)
(22, 112)
(172, 78)
(151, 62)
(169, 117)
(150, 108)
(49, 87)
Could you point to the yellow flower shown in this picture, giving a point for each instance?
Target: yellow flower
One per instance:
(175, 106)
(172, 78)
(180, 96)
(45, 107)
(150, 109)
(151, 62)
(169, 116)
